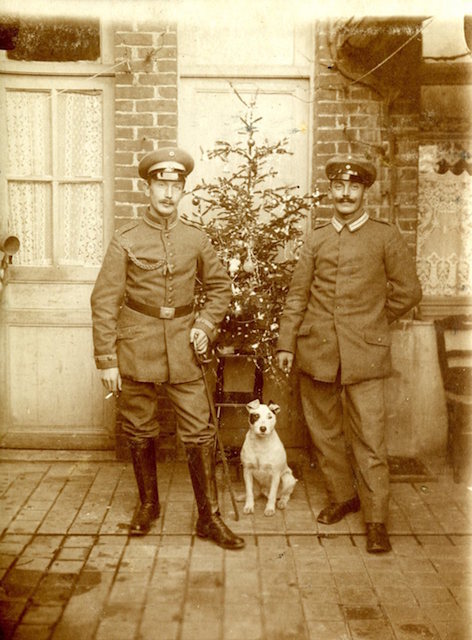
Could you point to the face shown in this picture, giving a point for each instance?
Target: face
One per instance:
(262, 419)
(347, 196)
(164, 195)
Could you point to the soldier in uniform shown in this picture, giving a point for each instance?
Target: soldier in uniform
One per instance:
(355, 276)
(145, 330)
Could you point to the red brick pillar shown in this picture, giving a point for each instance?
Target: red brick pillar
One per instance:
(351, 117)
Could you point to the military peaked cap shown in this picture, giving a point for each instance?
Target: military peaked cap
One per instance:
(166, 164)
(354, 168)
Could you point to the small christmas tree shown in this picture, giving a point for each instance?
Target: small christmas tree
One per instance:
(256, 230)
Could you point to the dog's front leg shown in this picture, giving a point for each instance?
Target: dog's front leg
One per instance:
(274, 485)
(248, 481)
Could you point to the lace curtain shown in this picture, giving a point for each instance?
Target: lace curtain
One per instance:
(444, 237)
(81, 155)
(55, 188)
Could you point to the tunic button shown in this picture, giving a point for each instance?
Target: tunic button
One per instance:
(171, 288)
(379, 339)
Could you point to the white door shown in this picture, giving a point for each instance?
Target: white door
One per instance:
(56, 190)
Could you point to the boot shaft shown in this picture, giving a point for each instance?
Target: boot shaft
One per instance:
(201, 464)
(143, 455)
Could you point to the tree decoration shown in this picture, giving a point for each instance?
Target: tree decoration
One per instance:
(257, 231)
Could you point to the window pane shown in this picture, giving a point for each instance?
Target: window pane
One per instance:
(29, 133)
(80, 133)
(29, 218)
(444, 251)
(81, 206)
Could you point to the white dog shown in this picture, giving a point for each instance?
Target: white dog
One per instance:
(264, 460)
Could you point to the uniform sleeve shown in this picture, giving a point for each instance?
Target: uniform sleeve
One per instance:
(297, 299)
(404, 289)
(107, 297)
(217, 286)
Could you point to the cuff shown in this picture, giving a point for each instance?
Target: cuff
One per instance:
(106, 362)
(208, 327)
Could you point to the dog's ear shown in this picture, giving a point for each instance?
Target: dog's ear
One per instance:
(253, 405)
(273, 407)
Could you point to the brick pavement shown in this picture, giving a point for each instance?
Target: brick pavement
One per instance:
(69, 571)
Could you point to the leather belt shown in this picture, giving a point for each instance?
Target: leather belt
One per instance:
(165, 313)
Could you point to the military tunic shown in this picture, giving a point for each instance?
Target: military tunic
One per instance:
(156, 263)
(350, 283)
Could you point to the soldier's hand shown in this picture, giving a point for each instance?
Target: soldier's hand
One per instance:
(199, 339)
(285, 360)
(111, 379)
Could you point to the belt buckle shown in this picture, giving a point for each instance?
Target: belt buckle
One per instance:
(166, 313)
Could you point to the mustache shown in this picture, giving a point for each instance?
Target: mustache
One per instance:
(342, 200)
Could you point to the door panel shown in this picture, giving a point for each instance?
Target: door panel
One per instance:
(210, 111)
(57, 191)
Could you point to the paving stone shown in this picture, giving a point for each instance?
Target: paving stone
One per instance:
(32, 632)
(241, 586)
(11, 610)
(404, 613)
(366, 629)
(118, 627)
(433, 595)
(6, 561)
(319, 610)
(32, 564)
(413, 631)
(289, 618)
(202, 616)
(242, 621)
(20, 583)
(66, 566)
(453, 630)
(73, 553)
(41, 614)
(54, 588)
(396, 595)
(129, 587)
(328, 630)
(89, 595)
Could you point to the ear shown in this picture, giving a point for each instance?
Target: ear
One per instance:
(143, 186)
(273, 407)
(253, 405)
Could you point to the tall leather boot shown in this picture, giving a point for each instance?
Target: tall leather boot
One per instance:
(143, 455)
(201, 464)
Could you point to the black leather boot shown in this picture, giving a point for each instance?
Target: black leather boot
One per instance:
(201, 464)
(143, 455)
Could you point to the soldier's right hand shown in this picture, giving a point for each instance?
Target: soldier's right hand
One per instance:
(285, 361)
(111, 379)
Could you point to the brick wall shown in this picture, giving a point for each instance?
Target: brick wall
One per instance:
(353, 118)
(145, 119)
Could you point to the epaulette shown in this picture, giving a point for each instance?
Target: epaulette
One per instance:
(191, 222)
(127, 226)
(321, 222)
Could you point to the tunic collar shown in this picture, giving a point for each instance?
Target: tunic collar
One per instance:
(160, 223)
(353, 225)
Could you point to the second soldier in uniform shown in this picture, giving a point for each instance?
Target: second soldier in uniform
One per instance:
(145, 330)
(354, 277)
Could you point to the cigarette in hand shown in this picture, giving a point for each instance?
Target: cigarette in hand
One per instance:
(109, 395)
